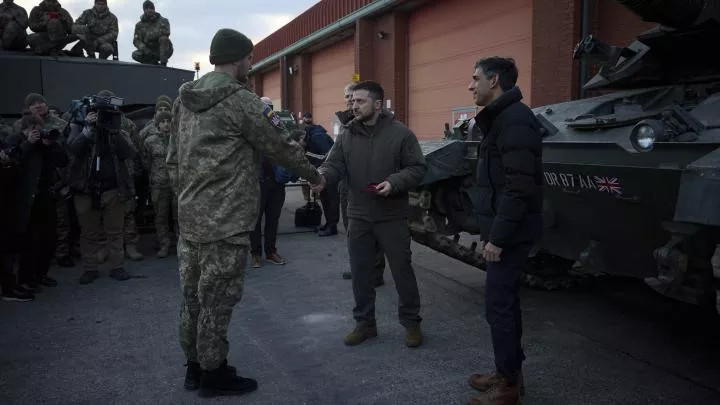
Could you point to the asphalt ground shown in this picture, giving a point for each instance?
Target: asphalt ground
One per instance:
(116, 342)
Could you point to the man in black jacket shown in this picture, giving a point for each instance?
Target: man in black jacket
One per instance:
(511, 184)
(381, 160)
(35, 198)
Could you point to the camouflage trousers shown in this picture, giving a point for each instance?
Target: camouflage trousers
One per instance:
(107, 221)
(165, 205)
(130, 229)
(54, 39)
(14, 37)
(160, 52)
(212, 277)
(65, 243)
(91, 43)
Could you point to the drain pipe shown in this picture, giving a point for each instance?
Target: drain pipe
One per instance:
(284, 79)
(584, 31)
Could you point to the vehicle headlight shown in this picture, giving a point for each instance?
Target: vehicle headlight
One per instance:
(645, 133)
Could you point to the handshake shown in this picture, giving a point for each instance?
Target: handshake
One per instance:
(383, 189)
(318, 187)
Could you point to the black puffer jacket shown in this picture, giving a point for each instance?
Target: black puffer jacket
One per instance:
(510, 171)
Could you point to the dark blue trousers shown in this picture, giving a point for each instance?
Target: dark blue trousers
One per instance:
(502, 309)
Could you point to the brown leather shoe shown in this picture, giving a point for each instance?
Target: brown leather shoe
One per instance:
(275, 258)
(486, 382)
(414, 337)
(500, 394)
(256, 261)
(360, 334)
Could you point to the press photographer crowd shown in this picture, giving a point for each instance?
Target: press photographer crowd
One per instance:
(69, 191)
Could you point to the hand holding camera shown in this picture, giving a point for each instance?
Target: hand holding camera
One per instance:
(33, 136)
(91, 118)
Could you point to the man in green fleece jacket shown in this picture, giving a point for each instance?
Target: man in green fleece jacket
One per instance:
(381, 160)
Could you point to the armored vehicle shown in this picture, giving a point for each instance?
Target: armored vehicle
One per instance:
(632, 177)
(65, 78)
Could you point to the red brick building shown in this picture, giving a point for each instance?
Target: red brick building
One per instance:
(423, 51)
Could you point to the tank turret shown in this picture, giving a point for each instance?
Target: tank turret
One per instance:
(679, 50)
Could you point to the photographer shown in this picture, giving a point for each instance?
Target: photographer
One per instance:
(99, 177)
(38, 155)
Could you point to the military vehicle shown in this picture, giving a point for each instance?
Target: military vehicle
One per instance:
(632, 177)
(63, 79)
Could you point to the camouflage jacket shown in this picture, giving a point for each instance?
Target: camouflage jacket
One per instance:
(10, 12)
(40, 15)
(154, 152)
(147, 130)
(50, 122)
(102, 26)
(149, 30)
(218, 131)
(135, 166)
(83, 150)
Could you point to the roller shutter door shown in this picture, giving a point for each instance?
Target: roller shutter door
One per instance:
(332, 69)
(272, 88)
(445, 41)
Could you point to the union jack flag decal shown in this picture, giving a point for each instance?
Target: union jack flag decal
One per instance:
(608, 185)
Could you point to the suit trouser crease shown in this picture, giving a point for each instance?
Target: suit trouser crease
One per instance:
(92, 229)
(38, 247)
(502, 309)
(272, 200)
(393, 237)
(330, 199)
(212, 279)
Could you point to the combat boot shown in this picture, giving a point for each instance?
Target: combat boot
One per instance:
(193, 375)
(502, 393)
(223, 381)
(360, 334)
(414, 337)
(487, 382)
(132, 253)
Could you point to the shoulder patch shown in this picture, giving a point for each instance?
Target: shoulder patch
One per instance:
(273, 118)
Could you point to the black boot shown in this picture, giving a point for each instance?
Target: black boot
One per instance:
(222, 381)
(193, 375)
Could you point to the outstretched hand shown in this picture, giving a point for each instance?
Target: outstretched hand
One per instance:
(318, 187)
(384, 189)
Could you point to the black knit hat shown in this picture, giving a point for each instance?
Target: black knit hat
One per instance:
(228, 46)
(163, 115)
(148, 4)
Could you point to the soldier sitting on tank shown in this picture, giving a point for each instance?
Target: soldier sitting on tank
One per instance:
(51, 25)
(163, 103)
(97, 29)
(13, 24)
(152, 37)
(163, 199)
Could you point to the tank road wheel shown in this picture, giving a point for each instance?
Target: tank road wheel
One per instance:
(549, 273)
(685, 266)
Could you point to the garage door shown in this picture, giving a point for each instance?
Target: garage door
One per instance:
(442, 55)
(272, 88)
(332, 69)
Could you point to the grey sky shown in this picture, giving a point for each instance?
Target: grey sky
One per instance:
(194, 22)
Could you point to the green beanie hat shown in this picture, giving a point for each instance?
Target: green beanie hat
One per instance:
(228, 46)
(163, 103)
(106, 93)
(163, 115)
(164, 98)
(33, 98)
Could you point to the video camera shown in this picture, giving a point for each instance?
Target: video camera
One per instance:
(109, 116)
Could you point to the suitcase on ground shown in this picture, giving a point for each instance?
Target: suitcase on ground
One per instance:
(309, 215)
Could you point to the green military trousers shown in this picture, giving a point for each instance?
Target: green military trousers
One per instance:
(212, 276)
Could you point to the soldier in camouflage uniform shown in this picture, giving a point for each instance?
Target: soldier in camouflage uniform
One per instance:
(51, 26)
(163, 103)
(219, 129)
(13, 26)
(97, 29)
(152, 37)
(164, 201)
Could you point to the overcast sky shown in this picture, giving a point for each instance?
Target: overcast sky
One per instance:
(193, 22)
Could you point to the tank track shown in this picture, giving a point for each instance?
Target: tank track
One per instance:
(549, 273)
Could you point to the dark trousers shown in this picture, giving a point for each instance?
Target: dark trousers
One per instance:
(330, 199)
(272, 199)
(393, 237)
(502, 309)
(343, 191)
(37, 248)
(7, 274)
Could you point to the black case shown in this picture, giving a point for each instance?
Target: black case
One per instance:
(309, 215)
